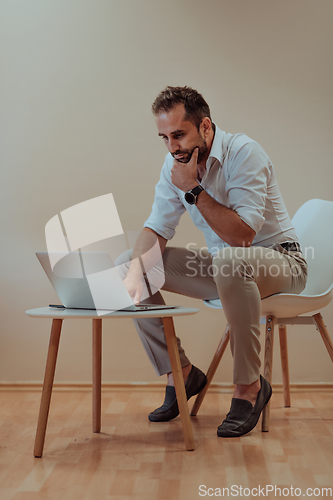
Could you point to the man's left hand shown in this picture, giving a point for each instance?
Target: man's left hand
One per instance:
(184, 175)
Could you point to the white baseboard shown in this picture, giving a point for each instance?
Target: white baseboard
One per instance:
(216, 387)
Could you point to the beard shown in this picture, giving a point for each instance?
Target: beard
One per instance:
(187, 153)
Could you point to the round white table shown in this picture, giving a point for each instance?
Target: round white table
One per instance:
(58, 315)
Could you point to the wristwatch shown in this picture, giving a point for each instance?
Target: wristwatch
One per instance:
(192, 196)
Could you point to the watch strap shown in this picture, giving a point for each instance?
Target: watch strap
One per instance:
(197, 190)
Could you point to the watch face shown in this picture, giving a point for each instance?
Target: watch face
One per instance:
(190, 198)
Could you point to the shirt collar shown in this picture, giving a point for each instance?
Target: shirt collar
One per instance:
(216, 149)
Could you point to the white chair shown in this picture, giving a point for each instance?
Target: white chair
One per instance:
(314, 227)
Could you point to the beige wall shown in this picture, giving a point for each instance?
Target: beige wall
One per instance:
(78, 79)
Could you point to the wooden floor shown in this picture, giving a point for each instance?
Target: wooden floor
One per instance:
(135, 459)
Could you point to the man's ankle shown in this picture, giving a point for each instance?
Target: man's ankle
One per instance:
(185, 370)
(248, 392)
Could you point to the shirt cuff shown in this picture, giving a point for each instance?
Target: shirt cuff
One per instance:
(251, 218)
(166, 232)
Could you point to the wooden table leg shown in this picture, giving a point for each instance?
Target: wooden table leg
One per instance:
(179, 382)
(97, 374)
(47, 386)
(211, 371)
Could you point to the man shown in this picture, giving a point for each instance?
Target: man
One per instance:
(227, 184)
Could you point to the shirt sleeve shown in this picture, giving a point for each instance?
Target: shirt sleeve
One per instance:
(167, 207)
(248, 175)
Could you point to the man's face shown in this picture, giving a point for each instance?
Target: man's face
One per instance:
(181, 136)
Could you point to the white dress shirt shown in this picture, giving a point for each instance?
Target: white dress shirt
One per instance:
(239, 175)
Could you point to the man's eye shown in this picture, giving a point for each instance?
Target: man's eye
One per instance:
(178, 136)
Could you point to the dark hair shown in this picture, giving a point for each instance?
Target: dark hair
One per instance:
(195, 105)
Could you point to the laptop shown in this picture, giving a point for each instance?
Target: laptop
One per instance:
(89, 280)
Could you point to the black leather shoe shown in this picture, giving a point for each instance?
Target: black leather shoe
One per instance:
(195, 382)
(243, 416)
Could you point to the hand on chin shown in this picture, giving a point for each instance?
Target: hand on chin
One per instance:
(184, 175)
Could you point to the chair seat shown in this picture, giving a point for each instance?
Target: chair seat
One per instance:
(286, 305)
(289, 305)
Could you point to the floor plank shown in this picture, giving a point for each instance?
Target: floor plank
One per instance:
(133, 458)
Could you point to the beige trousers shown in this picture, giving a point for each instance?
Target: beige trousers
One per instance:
(240, 277)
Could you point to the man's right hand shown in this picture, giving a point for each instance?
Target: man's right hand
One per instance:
(134, 284)
(146, 254)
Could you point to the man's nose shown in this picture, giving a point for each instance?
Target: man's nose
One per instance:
(173, 145)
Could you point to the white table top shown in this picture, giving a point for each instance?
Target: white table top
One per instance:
(48, 312)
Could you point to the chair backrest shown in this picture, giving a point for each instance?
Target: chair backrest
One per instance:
(313, 223)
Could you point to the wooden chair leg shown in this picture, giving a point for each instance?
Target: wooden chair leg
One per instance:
(268, 363)
(284, 364)
(324, 333)
(97, 374)
(179, 382)
(211, 371)
(47, 386)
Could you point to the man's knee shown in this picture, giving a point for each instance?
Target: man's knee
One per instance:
(232, 263)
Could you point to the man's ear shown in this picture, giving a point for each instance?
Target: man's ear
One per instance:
(206, 126)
